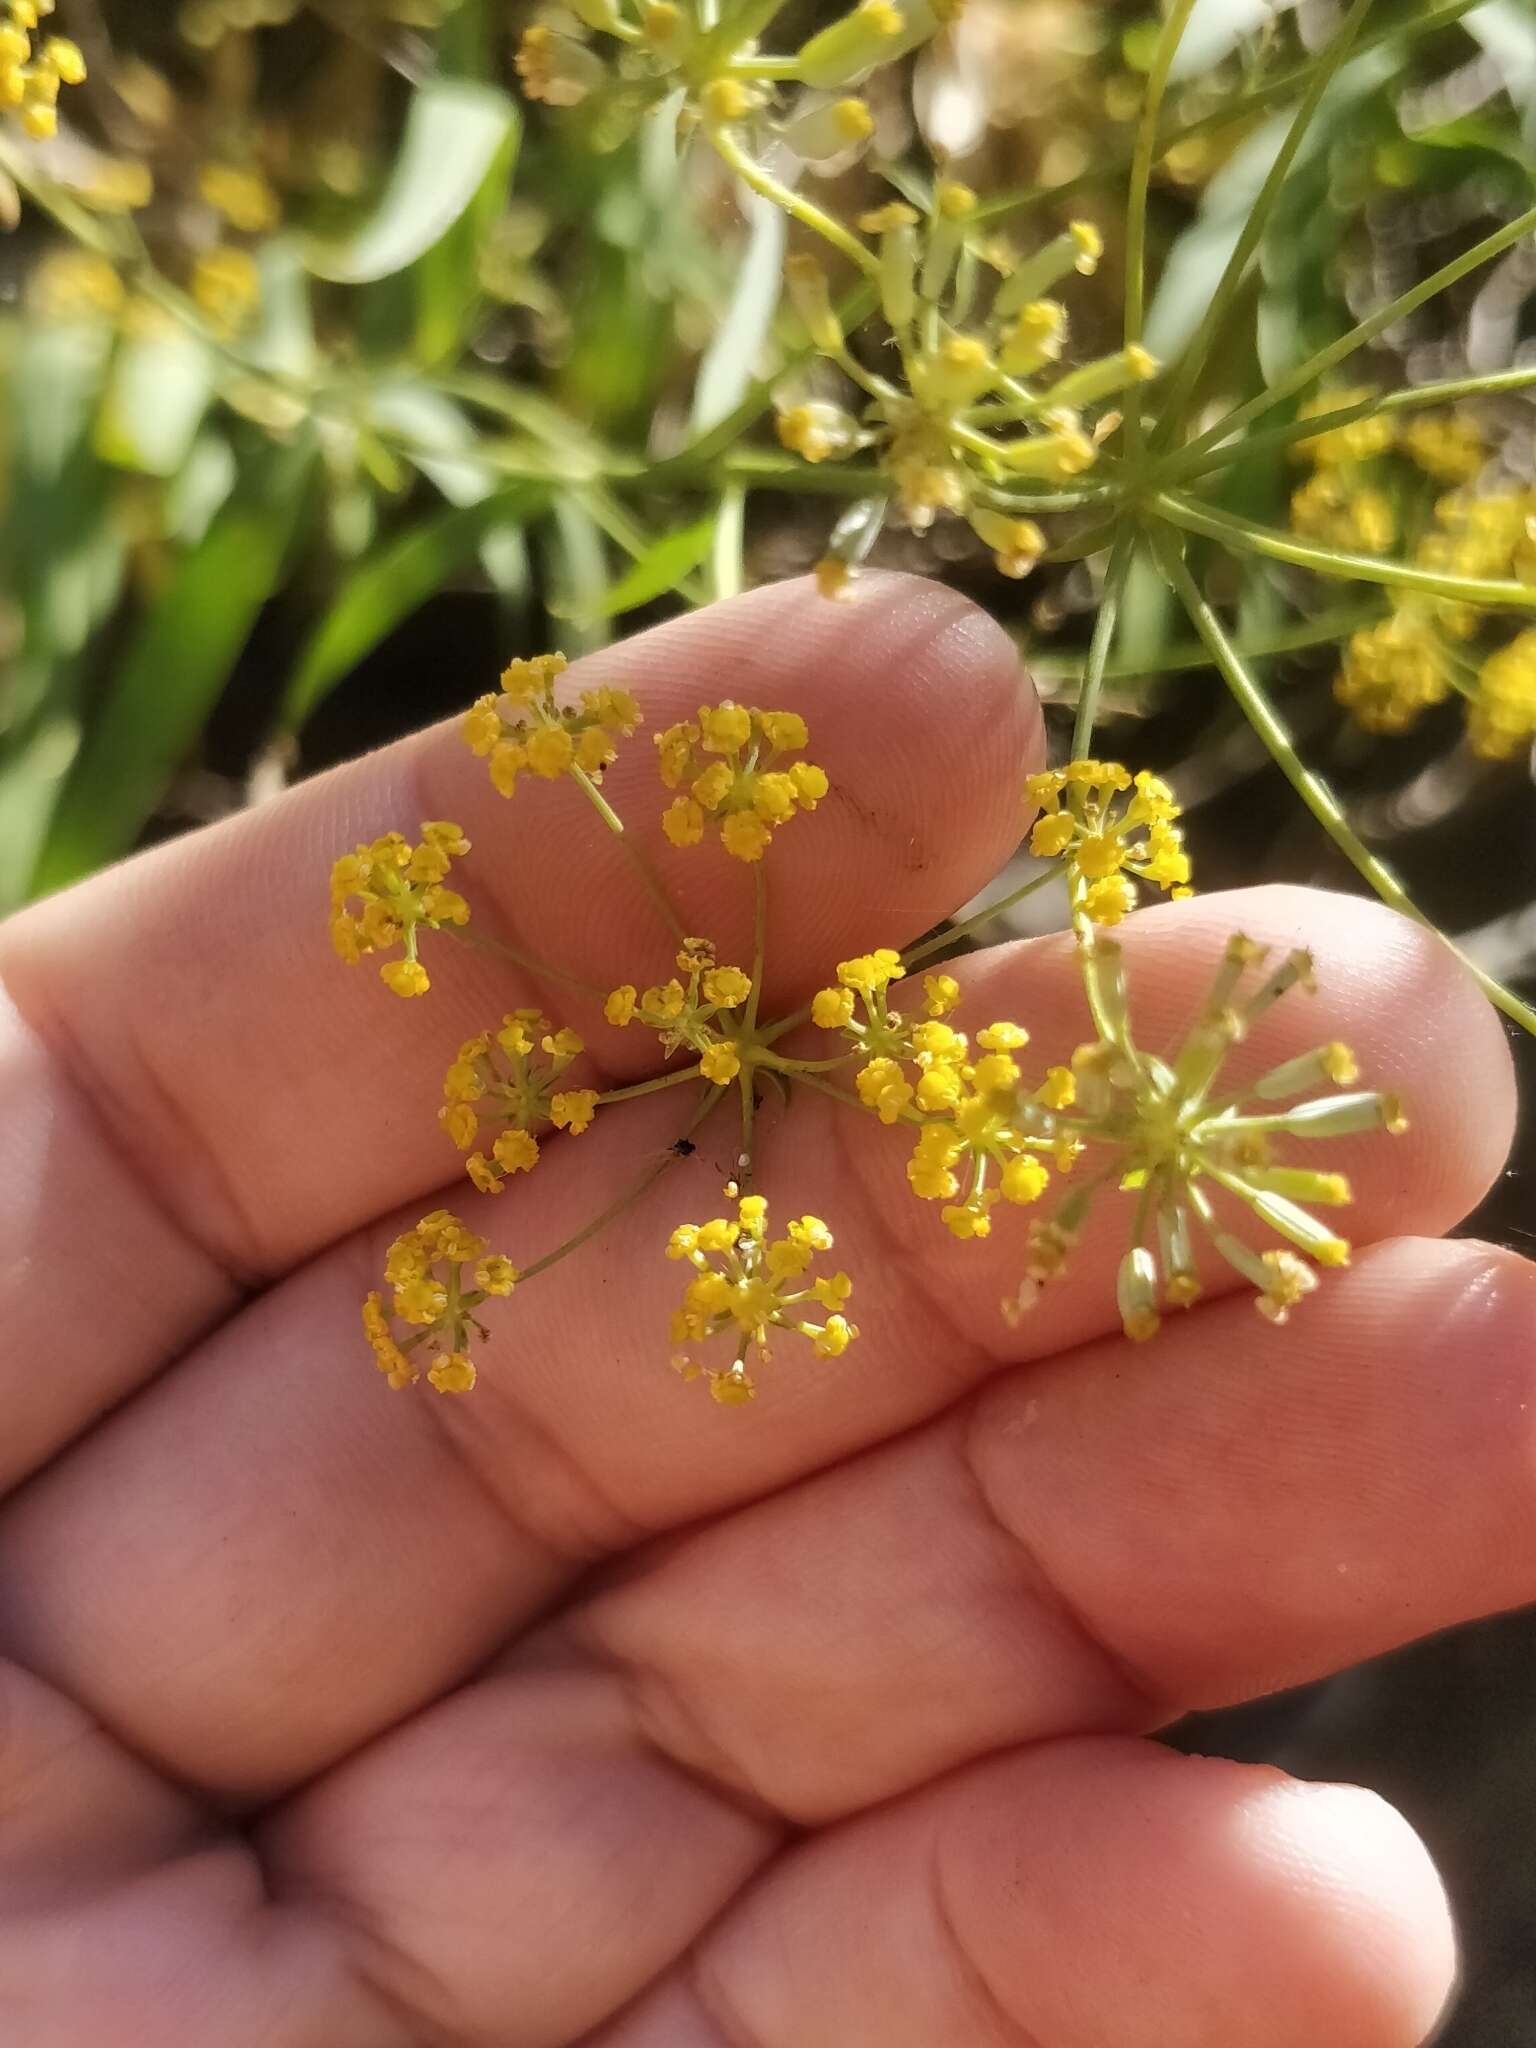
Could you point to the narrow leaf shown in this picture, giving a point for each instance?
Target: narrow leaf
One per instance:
(174, 669)
(453, 132)
(390, 585)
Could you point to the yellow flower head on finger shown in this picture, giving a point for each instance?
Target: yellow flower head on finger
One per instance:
(1110, 829)
(526, 729)
(745, 1284)
(438, 1275)
(385, 894)
(505, 1086)
(732, 768)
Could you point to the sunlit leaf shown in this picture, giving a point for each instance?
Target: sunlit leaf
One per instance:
(174, 669)
(662, 567)
(156, 396)
(453, 132)
(731, 360)
(393, 583)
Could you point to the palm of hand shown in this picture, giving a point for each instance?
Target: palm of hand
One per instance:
(582, 1710)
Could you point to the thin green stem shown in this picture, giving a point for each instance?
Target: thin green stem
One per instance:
(1142, 159)
(651, 1087)
(1248, 538)
(803, 210)
(759, 943)
(597, 800)
(1327, 627)
(1186, 465)
(1174, 400)
(915, 956)
(540, 970)
(787, 68)
(1103, 639)
(1317, 366)
(1313, 791)
(626, 1200)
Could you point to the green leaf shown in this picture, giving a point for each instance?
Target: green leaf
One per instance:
(392, 584)
(453, 133)
(730, 361)
(442, 441)
(447, 279)
(174, 668)
(155, 400)
(662, 567)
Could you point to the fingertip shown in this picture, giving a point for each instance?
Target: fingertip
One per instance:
(1412, 1013)
(1366, 1908)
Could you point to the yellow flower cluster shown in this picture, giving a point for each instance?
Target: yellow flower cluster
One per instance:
(226, 286)
(524, 728)
(618, 57)
(1106, 842)
(242, 196)
(1187, 1150)
(967, 417)
(973, 1122)
(1421, 653)
(426, 1270)
(745, 1284)
(400, 889)
(701, 1013)
(32, 68)
(507, 1081)
(723, 762)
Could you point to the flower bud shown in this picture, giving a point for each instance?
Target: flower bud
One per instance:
(829, 130)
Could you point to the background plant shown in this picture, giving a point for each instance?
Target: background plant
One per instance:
(336, 373)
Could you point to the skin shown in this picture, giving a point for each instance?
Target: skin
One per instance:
(583, 1710)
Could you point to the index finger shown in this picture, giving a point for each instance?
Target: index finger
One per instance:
(194, 1087)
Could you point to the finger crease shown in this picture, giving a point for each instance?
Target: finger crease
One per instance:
(79, 1075)
(982, 1994)
(1144, 1702)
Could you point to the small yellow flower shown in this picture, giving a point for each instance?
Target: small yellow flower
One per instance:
(524, 727)
(720, 1063)
(1111, 827)
(426, 1270)
(398, 892)
(508, 1083)
(744, 1285)
(572, 1109)
(832, 1008)
(726, 758)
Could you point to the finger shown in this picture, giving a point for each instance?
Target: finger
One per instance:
(185, 1080)
(1077, 1548)
(443, 1528)
(517, 1864)
(1088, 1894)
(1097, 1542)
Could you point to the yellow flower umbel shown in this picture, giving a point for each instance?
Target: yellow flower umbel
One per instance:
(1501, 720)
(745, 1285)
(33, 68)
(438, 1273)
(723, 762)
(1193, 1155)
(507, 1081)
(1112, 827)
(523, 729)
(400, 890)
(977, 1134)
(703, 1013)
(977, 404)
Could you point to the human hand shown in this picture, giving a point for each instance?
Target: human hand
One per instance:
(582, 1709)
